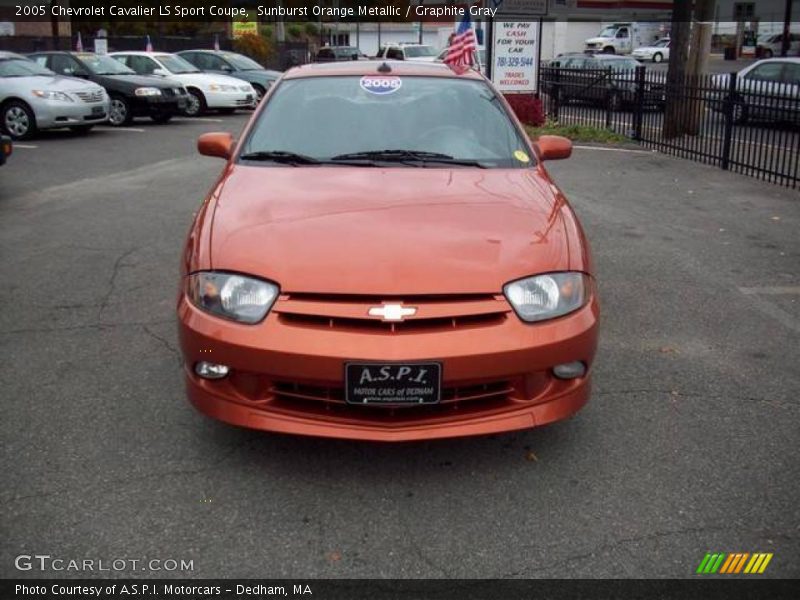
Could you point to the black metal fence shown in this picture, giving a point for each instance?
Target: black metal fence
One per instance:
(747, 124)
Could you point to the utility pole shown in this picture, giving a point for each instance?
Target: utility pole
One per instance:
(787, 22)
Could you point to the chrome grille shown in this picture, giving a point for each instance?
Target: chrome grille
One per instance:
(95, 96)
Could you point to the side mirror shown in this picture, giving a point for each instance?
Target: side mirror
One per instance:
(82, 74)
(219, 144)
(554, 147)
(227, 68)
(161, 72)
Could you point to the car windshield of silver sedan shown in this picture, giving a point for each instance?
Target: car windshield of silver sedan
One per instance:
(378, 119)
(21, 67)
(176, 64)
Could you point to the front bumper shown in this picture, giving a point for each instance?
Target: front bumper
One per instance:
(51, 115)
(160, 105)
(288, 377)
(237, 99)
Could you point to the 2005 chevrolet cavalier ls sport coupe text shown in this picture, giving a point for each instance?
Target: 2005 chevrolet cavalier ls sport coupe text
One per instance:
(384, 257)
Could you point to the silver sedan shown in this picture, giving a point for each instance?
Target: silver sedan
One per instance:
(33, 98)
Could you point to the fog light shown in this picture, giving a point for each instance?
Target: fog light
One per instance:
(208, 370)
(571, 370)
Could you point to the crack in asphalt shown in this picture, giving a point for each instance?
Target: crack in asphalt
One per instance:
(164, 342)
(118, 265)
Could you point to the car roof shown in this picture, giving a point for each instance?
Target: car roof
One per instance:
(370, 67)
(783, 59)
(7, 54)
(141, 52)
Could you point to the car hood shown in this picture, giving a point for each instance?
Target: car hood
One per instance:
(388, 231)
(57, 83)
(203, 80)
(598, 40)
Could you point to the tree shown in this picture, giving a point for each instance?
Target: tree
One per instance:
(699, 49)
(675, 109)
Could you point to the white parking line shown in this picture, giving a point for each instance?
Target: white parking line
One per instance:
(24, 146)
(129, 129)
(610, 149)
(200, 119)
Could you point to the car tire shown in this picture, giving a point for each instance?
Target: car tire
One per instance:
(161, 119)
(657, 57)
(81, 129)
(197, 103)
(614, 101)
(260, 91)
(767, 53)
(226, 111)
(609, 50)
(18, 120)
(740, 112)
(119, 114)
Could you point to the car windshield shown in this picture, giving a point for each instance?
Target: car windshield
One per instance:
(176, 64)
(21, 67)
(104, 65)
(608, 32)
(326, 117)
(419, 51)
(242, 63)
(661, 44)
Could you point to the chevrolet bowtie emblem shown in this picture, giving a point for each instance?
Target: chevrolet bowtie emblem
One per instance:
(392, 312)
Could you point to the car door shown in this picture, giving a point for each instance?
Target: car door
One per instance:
(763, 91)
(623, 40)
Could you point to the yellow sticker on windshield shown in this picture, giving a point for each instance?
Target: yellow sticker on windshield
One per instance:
(521, 156)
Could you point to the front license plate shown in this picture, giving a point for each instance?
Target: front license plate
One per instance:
(98, 110)
(394, 383)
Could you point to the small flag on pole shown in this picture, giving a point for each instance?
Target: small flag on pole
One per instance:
(216, 41)
(460, 54)
(79, 43)
(148, 47)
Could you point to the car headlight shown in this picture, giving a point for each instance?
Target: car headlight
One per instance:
(219, 87)
(52, 95)
(547, 296)
(147, 91)
(232, 296)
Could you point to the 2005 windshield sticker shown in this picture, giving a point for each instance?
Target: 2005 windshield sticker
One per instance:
(381, 85)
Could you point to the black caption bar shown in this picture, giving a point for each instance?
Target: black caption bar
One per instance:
(402, 589)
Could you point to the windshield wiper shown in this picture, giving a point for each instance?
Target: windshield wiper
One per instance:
(280, 156)
(408, 156)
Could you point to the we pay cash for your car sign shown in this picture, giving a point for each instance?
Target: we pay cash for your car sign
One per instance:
(516, 49)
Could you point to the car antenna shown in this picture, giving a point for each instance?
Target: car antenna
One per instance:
(385, 68)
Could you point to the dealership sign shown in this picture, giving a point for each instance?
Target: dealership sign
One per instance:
(515, 55)
(520, 9)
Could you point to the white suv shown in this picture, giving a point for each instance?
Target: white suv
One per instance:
(412, 52)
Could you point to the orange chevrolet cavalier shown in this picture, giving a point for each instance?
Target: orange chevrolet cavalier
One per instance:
(385, 257)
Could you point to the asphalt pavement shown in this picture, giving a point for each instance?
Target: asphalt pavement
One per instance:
(689, 444)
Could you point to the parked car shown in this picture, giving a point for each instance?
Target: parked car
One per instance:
(321, 294)
(5, 149)
(605, 79)
(235, 65)
(658, 52)
(769, 45)
(131, 95)
(412, 52)
(206, 90)
(339, 54)
(33, 98)
(767, 90)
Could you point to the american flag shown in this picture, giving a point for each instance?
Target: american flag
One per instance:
(148, 46)
(460, 54)
(216, 41)
(79, 43)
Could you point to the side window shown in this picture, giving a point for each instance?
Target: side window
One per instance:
(123, 59)
(215, 63)
(394, 54)
(40, 60)
(64, 65)
(770, 71)
(141, 64)
(192, 57)
(791, 74)
(622, 32)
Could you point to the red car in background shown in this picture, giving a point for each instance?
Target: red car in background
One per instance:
(385, 257)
